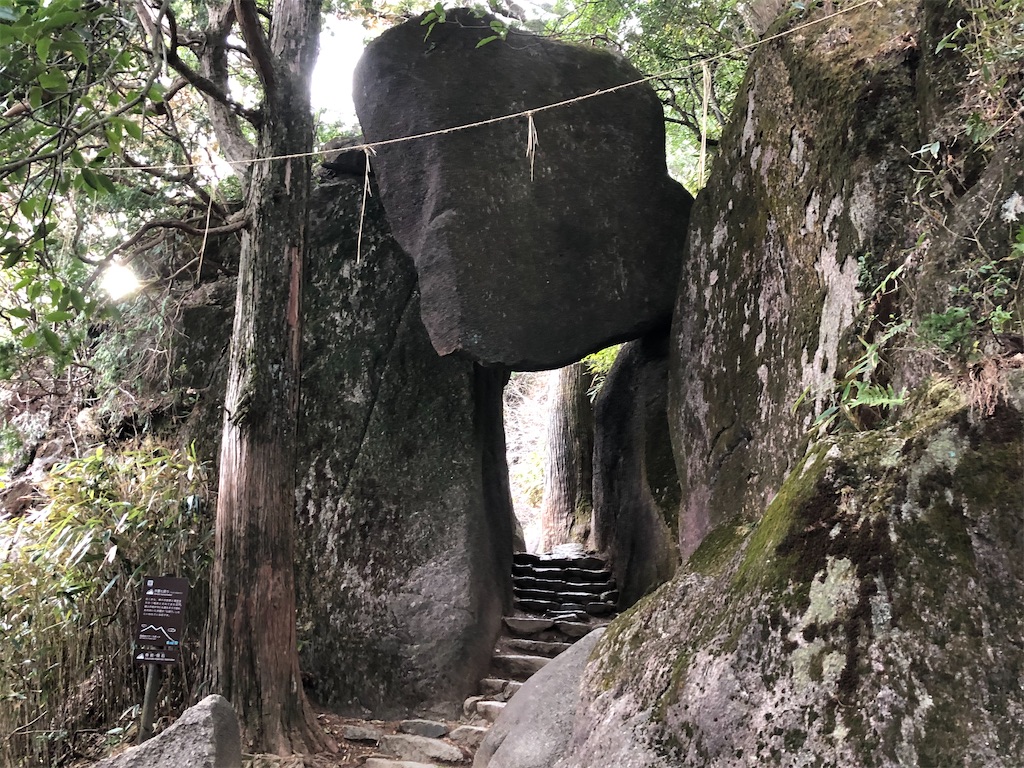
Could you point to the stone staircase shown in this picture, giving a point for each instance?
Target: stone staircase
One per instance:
(559, 598)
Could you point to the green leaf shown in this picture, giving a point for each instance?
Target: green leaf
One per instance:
(30, 340)
(19, 312)
(76, 299)
(53, 341)
(54, 81)
(133, 129)
(43, 48)
(57, 317)
(106, 183)
(12, 258)
(486, 40)
(7, 13)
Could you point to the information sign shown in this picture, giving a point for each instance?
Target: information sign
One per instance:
(161, 620)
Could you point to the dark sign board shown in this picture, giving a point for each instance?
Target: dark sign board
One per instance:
(161, 620)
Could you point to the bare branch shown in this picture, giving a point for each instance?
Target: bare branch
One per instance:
(224, 229)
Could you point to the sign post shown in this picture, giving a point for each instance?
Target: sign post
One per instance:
(158, 639)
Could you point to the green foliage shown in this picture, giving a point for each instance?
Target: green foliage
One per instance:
(672, 40)
(985, 304)
(860, 401)
(69, 583)
(598, 365)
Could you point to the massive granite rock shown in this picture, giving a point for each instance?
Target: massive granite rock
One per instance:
(852, 599)
(404, 519)
(531, 263)
(636, 488)
(872, 618)
(806, 211)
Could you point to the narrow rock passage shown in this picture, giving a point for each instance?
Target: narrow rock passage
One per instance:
(560, 597)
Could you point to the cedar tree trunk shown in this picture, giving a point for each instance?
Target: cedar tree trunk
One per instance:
(252, 657)
(568, 471)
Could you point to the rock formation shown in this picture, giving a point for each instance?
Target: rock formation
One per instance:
(852, 599)
(528, 262)
(205, 736)
(636, 489)
(404, 515)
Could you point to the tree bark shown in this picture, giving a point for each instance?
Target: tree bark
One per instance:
(568, 504)
(251, 642)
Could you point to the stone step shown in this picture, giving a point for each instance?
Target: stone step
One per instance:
(419, 748)
(516, 666)
(535, 647)
(544, 561)
(601, 609)
(561, 585)
(419, 727)
(579, 575)
(468, 735)
(575, 629)
(386, 762)
(527, 625)
(489, 710)
(537, 606)
(498, 689)
(579, 598)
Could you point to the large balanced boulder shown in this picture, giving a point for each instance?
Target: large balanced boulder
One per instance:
(404, 516)
(531, 262)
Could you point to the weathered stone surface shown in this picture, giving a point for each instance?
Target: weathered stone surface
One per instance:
(205, 736)
(429, 728)
(536, 647)
(534, 729)
(404, 524)
(636, 488)
(361, 733)
(489, 710)
(573, 628)
(383, 762)
(527, 626)
(518, 666)
(814, 176)
(406, 747)
(852, 600)
(882, 587)
(469, 735)
(531, 265)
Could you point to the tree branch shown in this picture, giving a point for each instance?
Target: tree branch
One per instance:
(224, 229)
(213, 65)
(257, 42)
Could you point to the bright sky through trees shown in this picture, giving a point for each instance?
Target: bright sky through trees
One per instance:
(341, 45)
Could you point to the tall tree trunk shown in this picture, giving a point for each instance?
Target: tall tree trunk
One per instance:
(252, 653)
(568, 494)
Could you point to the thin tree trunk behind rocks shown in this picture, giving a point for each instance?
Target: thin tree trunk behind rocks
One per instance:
(568, 494)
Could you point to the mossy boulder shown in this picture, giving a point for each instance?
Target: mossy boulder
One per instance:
(807, 203)
(869, 618)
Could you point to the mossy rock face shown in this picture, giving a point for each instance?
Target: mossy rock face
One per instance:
(872, 617)
(806, 204)
(404, 523)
